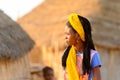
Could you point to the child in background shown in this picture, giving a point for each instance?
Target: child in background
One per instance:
(48, 73)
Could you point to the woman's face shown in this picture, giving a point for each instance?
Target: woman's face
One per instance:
(70, 36)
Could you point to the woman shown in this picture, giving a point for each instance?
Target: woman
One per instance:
(80, 60)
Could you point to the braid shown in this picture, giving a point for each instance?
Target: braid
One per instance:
(88, 44)
(65, 55)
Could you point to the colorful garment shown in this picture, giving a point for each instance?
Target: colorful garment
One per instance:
(95, 61)
(77, 75)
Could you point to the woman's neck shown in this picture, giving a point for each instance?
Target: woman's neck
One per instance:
(79, 47)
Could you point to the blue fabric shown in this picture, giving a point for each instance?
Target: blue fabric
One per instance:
(94, 63)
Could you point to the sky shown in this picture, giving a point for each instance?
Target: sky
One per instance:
(18, 8)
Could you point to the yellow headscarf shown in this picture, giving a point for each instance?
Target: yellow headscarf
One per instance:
(76, 24)
(71, 59)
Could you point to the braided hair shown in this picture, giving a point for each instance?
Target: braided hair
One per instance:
(88, 44)
(65, 55)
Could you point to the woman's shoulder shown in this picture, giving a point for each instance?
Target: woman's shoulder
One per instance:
(95, 59)
(93, 53)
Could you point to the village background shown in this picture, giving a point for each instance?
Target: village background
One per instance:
(45, 24)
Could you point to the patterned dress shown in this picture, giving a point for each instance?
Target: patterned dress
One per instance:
(95, 61)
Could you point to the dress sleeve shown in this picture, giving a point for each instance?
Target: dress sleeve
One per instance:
(96, 60)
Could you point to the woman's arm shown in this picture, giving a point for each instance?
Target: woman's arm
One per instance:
(96, 73)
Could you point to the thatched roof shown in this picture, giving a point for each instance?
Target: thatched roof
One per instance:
(106, 24)
(53, 13)
(14, 41)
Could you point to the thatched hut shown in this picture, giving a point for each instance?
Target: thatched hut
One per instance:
(50, 17)
(14, 46)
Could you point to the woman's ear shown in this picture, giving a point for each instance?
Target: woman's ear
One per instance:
(77, 36)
